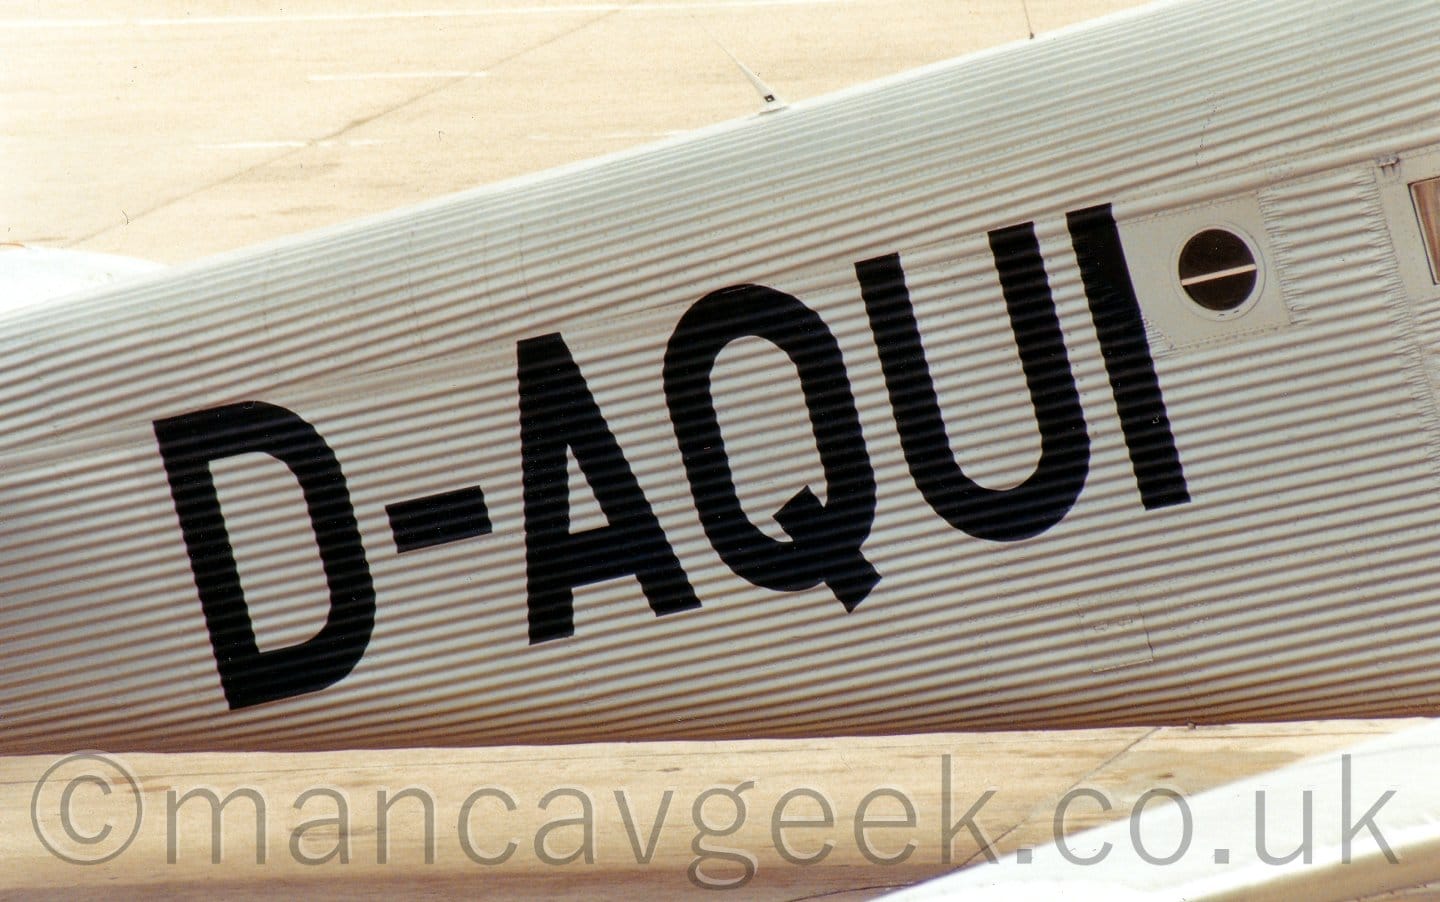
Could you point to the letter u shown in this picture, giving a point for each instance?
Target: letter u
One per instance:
(1043, 499)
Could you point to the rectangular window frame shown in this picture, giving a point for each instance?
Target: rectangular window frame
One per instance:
(1425, 197)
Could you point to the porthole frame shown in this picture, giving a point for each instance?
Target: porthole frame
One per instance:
(1257, 291)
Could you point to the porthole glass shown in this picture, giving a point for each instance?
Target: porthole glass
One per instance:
(1217, 270)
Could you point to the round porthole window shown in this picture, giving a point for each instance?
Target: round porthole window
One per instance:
(1217, 270)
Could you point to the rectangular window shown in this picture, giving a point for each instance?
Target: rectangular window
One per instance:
(1426, 195)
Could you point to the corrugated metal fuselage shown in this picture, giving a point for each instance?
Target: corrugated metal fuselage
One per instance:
(885, 412)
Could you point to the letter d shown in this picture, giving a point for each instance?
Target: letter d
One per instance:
(249, 676)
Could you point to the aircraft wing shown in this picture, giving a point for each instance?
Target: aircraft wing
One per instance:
(1360, 823)
(31, 275)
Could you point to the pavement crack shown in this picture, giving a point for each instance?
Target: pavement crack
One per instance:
(1085, 777)
(344, 129)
